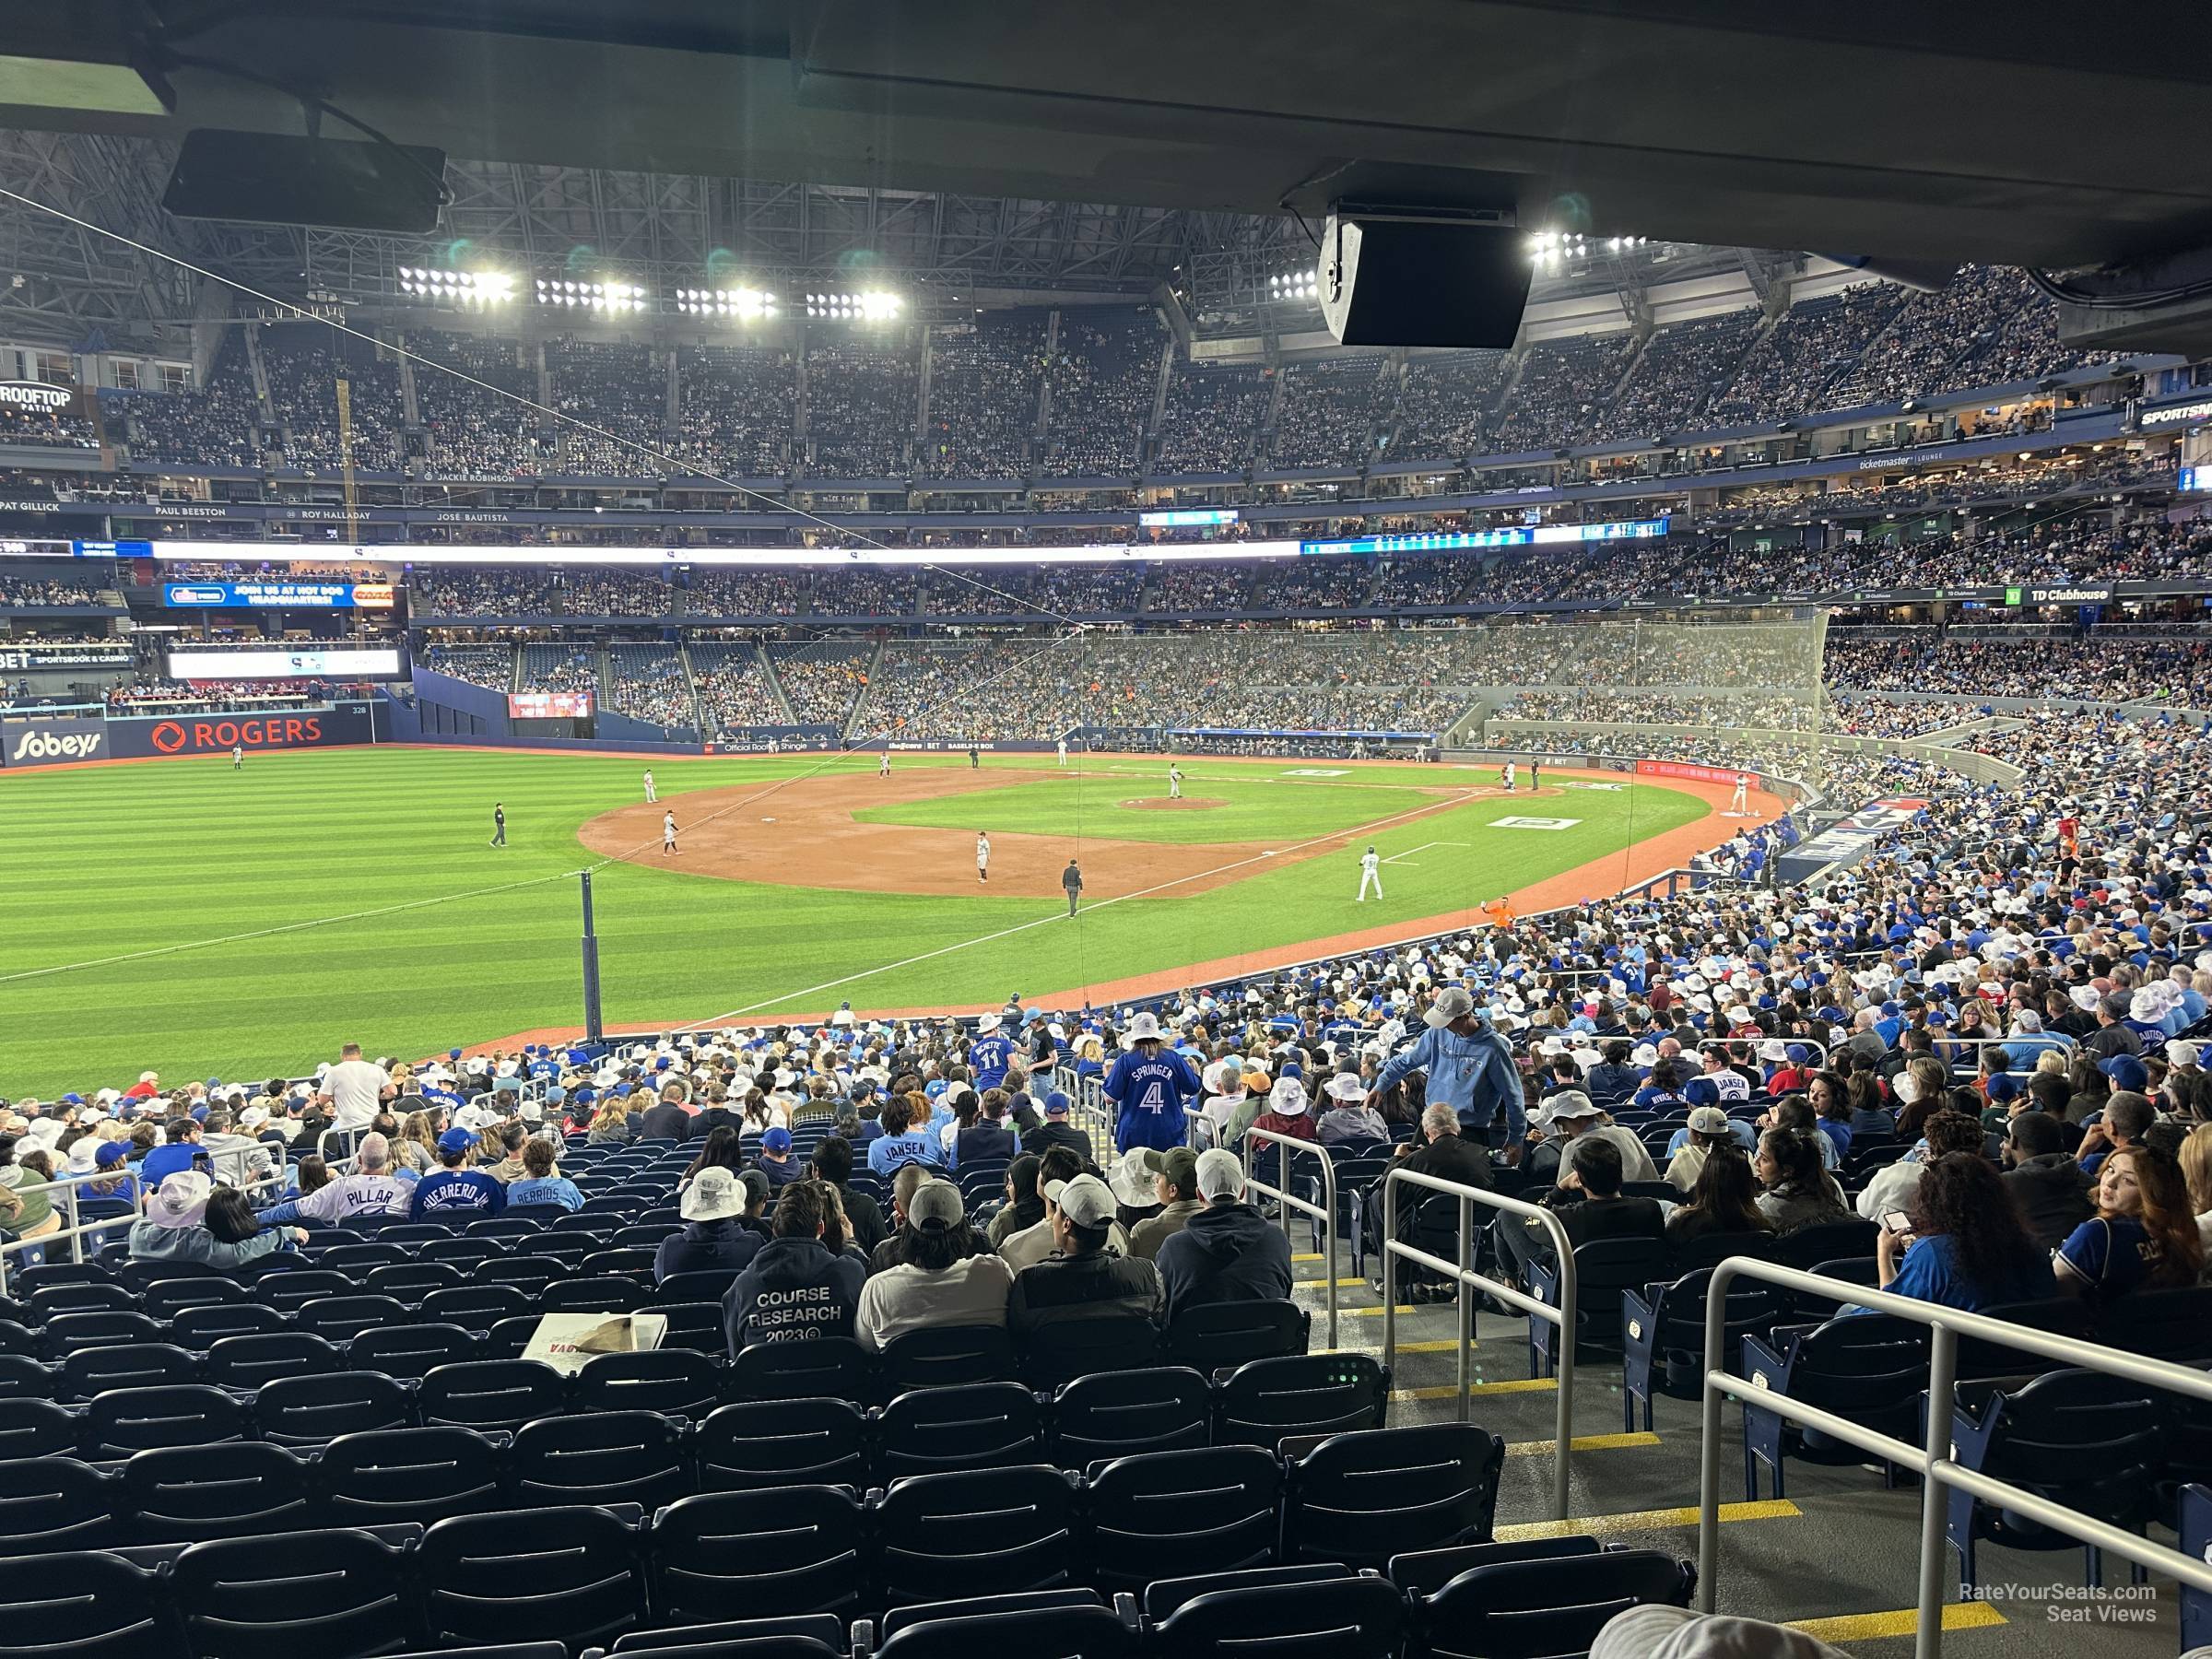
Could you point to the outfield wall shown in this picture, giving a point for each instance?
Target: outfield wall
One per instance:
(71, 740)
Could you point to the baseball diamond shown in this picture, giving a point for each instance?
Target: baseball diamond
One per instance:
(805, 881)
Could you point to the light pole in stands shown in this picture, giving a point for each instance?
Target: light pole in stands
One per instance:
(590, 965)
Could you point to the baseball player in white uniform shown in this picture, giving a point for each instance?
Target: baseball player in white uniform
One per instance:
(1063, 751)
(982, 857)
(1743, 785)
(1505, 776)
(650, 795)
(238, 757)
(1371, 875)
(1174, 782)
(883, 767)
(668, 831)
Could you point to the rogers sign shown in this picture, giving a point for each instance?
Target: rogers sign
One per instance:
(205, 736)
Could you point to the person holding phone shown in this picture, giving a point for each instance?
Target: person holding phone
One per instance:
(1961, 1244)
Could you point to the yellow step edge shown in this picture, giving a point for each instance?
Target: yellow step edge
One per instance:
(1580, 1443)
(1767, 1508)
(1876, 1627)
(1323, 1284)
(1504, 1387)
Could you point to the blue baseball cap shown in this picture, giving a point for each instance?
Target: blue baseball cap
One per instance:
(776, 1139)
(2125, 1071)
(73, 1100)
(2002, 1087)
(1057, 1104)
(456, 1140)
(452, 1054)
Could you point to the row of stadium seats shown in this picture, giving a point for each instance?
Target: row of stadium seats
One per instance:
(891, 1569)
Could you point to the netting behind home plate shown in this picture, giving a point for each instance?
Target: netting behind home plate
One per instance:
(1727, 691)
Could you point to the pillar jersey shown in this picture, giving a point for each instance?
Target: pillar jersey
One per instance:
(1151, 1093)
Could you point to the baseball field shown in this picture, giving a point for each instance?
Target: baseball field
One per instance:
(184, 916)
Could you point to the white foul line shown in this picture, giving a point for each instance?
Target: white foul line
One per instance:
(1461, 799)
(1401, 858)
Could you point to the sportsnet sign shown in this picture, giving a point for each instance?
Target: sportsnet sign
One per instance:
(57, 742)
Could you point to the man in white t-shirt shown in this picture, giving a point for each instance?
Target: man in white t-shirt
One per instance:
(354, 1090)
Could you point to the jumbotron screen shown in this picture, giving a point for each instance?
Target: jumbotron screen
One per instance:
(549, 705)
(308, 662)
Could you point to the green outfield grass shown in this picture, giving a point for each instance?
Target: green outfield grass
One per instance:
(351, 894)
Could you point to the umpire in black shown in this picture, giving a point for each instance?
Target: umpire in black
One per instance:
(1071, 881)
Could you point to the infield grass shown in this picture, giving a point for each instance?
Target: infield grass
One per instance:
(235, 924)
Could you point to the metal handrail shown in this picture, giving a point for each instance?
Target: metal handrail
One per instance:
(1931, 1460)
(1324, 1212)
(75, 1229)
(1462, 1274)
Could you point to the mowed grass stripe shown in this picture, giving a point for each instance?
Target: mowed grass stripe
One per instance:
(112, 860)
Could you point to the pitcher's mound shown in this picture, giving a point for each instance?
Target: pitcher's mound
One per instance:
(1184, 803)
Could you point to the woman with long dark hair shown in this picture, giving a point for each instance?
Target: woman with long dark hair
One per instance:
(720, 1150)
(1798, 1191)
(1968, 1248)
(1724, 1200)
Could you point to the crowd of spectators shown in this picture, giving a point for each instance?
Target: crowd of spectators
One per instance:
(1761, 711)
(984, 381)
(862, 403)
(648, 683)
(570, 668)
(214, 424)
(27, 593)
(1328, 410)
(720, 591)
(302, 363)
(1562, 386)
(48, 429)
(1444, 404)
(492, 666)
(823, 681)
(474, 431)
(1192, 588)
(737, 407)
(616, 591)
(488, 591)
(1099, 382)
(1211, 419)
(1788, 366)
(1935, 340)
(1681, 369)
(733, 689)
(2106, 664)
(618, 387)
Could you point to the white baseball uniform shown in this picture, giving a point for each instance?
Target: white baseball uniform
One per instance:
(650, 796)
(1506, 774)
(1743, 783)
(883, 767)
(1370, 873)
(1063, 751)
(982, 858)
(1174, 784)
(668, 832)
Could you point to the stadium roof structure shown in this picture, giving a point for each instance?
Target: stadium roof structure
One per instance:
(1062, 147)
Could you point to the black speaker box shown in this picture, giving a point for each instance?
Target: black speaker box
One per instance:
(269, 178)
(1411, 281)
